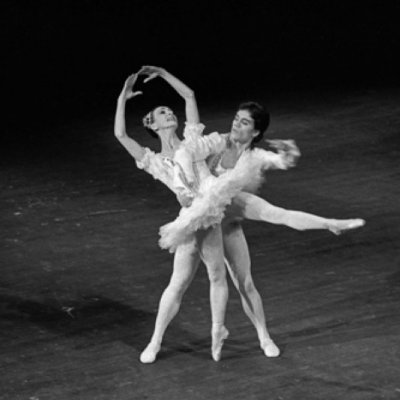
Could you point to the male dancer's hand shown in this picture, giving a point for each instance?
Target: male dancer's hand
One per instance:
(185, 199)
(287, 148)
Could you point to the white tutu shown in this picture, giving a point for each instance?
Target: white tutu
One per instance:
(214, 195)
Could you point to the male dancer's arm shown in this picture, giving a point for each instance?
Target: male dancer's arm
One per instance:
(286, 157)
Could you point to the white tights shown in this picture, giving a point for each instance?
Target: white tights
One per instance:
(187, 258)
(249, 206)
(238, 262)
(208, 247)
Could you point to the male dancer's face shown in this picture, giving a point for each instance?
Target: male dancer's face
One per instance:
(243, 127)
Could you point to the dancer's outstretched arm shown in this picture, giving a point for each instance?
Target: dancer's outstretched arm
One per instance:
(192, 112)
(286, 157)
(134, 148)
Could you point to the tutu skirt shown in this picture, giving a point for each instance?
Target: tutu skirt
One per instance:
(214, 195)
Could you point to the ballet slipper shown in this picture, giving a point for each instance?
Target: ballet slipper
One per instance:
(340, 226)
(149, 354)
(218, 338)
(269, 348)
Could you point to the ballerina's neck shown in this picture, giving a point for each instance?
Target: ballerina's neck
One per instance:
(169, 142)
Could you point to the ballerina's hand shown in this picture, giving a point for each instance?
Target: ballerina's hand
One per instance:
(127, 91)
(151, 72)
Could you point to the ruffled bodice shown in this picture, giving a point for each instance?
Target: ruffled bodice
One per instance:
(192, 154)
(189, 159)
(188, 174)
(199, 146)
(213, 196)
(159, 167)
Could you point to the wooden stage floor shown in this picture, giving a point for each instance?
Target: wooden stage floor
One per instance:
(82, 274)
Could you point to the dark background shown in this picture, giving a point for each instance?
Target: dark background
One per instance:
(65, 60)
(81, 271)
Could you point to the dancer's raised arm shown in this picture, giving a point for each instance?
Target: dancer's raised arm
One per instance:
(192, 112)
(134, 148)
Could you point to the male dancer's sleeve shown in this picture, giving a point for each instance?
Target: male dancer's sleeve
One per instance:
(286, 157)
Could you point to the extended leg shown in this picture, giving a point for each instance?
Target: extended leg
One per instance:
(211, 252)
(250, 206)
(186, 262)
(238, 261)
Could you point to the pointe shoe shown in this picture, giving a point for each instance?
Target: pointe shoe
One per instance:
(340, 226)
(149, 354)
(269, 348)
(217, 343)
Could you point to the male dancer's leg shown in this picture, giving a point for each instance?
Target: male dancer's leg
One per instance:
(239, 267)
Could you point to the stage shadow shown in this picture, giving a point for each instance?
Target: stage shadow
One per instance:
(98, 320)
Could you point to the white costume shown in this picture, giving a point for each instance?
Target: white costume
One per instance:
(211, 195)
(187, 174)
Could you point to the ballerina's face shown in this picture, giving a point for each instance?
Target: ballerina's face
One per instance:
(163, 118)
(243, 130)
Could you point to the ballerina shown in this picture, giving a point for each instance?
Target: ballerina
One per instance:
(206, 244)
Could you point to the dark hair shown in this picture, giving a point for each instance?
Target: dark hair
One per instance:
(260, 115)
